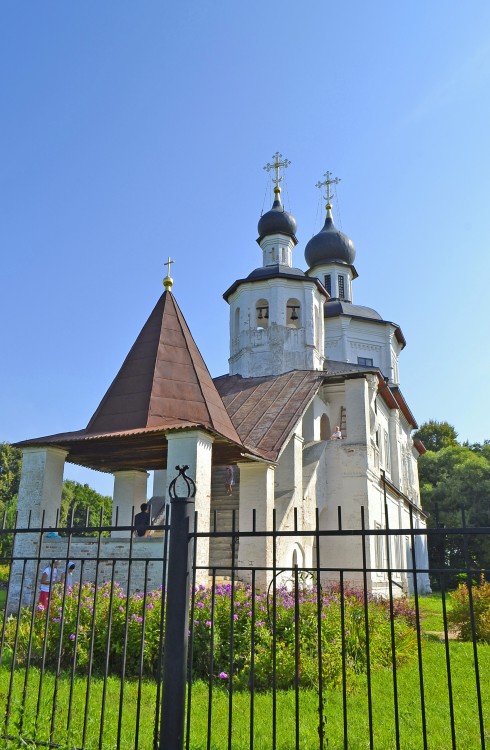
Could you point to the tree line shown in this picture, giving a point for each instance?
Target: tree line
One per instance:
(455, 489)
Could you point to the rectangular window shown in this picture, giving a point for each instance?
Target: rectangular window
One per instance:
(328, 283)
(366, 361)
(341, 286)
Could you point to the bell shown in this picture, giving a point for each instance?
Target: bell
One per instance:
(260, 316)
(293, 314)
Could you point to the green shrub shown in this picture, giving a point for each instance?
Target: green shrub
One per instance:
(103, 629)
(460, 614)
(4, 573)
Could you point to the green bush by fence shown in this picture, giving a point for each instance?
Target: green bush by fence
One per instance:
(461, 611)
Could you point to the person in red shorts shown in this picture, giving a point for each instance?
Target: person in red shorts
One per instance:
(48, 578)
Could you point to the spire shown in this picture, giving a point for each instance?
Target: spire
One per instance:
(168, 281)
(163, 382)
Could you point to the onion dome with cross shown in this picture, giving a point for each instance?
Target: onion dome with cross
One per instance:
(329, 245)
(277, 220)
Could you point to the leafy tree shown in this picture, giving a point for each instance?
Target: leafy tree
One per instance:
(81, 506)
(455, 480)
(436, 435)
(10, 465)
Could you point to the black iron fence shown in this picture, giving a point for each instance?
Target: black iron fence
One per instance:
(139, 644)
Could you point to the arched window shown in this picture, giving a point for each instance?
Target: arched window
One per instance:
(236, 329)
(262, 313)
(293, 310)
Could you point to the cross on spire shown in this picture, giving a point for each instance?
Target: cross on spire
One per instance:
(329, 180)
(277, 164)
(168, 281)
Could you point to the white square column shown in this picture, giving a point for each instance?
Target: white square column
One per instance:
(256, 493)
(39, 500)
(129, 493)
(194, 448)
(41, 482)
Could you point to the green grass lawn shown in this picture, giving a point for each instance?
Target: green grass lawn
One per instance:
(22, 718)
(431, 615)
(101, 728)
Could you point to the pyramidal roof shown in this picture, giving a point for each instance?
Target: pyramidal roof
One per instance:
(163, 382)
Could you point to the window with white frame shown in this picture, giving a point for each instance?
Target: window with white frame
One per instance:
(328, 282)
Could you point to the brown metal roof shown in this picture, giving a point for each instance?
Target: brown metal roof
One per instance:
(163, 381)
(265, 410)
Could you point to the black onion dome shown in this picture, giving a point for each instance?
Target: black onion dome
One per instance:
(277, 221)
(329, 245)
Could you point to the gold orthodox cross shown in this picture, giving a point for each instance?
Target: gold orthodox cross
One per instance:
(329, 180)
(168, 281)
(277, 164)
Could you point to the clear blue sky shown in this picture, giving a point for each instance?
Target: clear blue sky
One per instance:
(131, 131)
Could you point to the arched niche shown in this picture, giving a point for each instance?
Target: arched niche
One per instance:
(325, 430)
(262, 314)
(293, 313)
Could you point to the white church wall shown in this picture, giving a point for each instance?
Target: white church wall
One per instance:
(113, 560)
(334, 397)
(348, 340)
(130, 489)
(256, 494)
(277, 248)
(38, 504)
(194, 449)
(275, 344)
(383, 435)
(312, 420)
(408, 474)
(395, 446)
(288, 481)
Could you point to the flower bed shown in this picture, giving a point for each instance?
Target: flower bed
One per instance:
(292, 635)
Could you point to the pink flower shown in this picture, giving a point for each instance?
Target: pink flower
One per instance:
(223, 676)
(72, 637)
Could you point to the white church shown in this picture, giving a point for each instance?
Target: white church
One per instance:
(310, 424)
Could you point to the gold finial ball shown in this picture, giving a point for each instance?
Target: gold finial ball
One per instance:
(168, 283)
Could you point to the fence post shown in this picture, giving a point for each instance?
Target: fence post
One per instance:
(177, 612)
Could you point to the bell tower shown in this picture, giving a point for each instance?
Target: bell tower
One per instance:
(276, 313)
